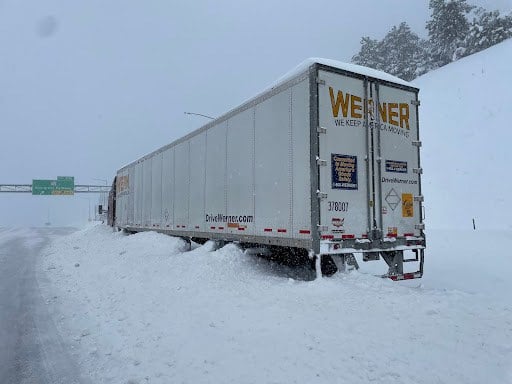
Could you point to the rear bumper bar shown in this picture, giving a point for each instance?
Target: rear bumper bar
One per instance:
(404, 276)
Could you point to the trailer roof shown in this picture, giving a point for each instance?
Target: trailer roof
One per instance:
(296, 73)
(354, 68)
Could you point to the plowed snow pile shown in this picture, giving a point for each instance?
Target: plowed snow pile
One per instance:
(140, 310)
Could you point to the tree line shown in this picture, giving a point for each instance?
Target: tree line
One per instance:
(455, 29)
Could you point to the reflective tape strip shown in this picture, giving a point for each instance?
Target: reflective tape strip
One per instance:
(406, 276)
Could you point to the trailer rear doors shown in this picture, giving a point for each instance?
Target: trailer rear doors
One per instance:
(369, 172)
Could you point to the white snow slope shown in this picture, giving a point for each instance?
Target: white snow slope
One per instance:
(140, 310)
(466, 128)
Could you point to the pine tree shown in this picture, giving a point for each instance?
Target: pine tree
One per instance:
(400, 53)
(369, 55)
(447, 29)
(403, 52)
(487, 29)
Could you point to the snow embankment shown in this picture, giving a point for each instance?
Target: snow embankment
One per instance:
(140, 310)
(465, 125)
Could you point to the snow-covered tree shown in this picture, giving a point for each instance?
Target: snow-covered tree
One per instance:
(400, 53)
(369, 55)
(451, 36)
(403, 52)
(488, 28)
(447, 28)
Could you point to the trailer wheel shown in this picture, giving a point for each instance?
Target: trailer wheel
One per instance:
(327, 265)
(188, 243)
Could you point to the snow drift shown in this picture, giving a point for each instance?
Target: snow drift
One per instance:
(466, 128)
(139, 310)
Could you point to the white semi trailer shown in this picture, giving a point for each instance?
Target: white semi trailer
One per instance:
(325, 163)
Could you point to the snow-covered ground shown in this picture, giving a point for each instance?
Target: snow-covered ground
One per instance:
(465, 126)
(139, 310)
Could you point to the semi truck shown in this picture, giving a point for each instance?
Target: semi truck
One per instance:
(325, 164)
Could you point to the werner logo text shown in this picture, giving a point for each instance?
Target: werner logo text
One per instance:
(354, 107)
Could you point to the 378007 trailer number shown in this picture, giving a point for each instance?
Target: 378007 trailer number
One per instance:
(338, 206)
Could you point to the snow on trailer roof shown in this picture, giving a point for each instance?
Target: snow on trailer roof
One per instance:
(295, 72)
(359, 69)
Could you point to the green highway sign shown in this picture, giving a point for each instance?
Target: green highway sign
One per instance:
(64, 185)
(43, 187)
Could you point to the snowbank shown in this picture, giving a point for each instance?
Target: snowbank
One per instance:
(139, 310)
(465, 127)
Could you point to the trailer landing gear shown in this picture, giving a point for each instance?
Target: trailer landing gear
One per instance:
(329, 265)
(395, 261)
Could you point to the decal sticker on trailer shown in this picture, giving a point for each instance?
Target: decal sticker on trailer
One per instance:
(396, 166)
(407, 205)
(344, 172)
(338, 223)
(392, 231)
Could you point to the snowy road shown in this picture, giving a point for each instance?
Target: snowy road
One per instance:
(31, 349)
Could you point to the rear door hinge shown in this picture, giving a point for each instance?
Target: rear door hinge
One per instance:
(416, 143)
(322, 228)
(320, 81)
(419, 171)
(320, 162)
(321, 130)
(415, 102)
(419, 198)
(419, 226)
(321, 195)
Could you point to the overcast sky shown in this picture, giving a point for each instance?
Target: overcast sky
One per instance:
(88, 86)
